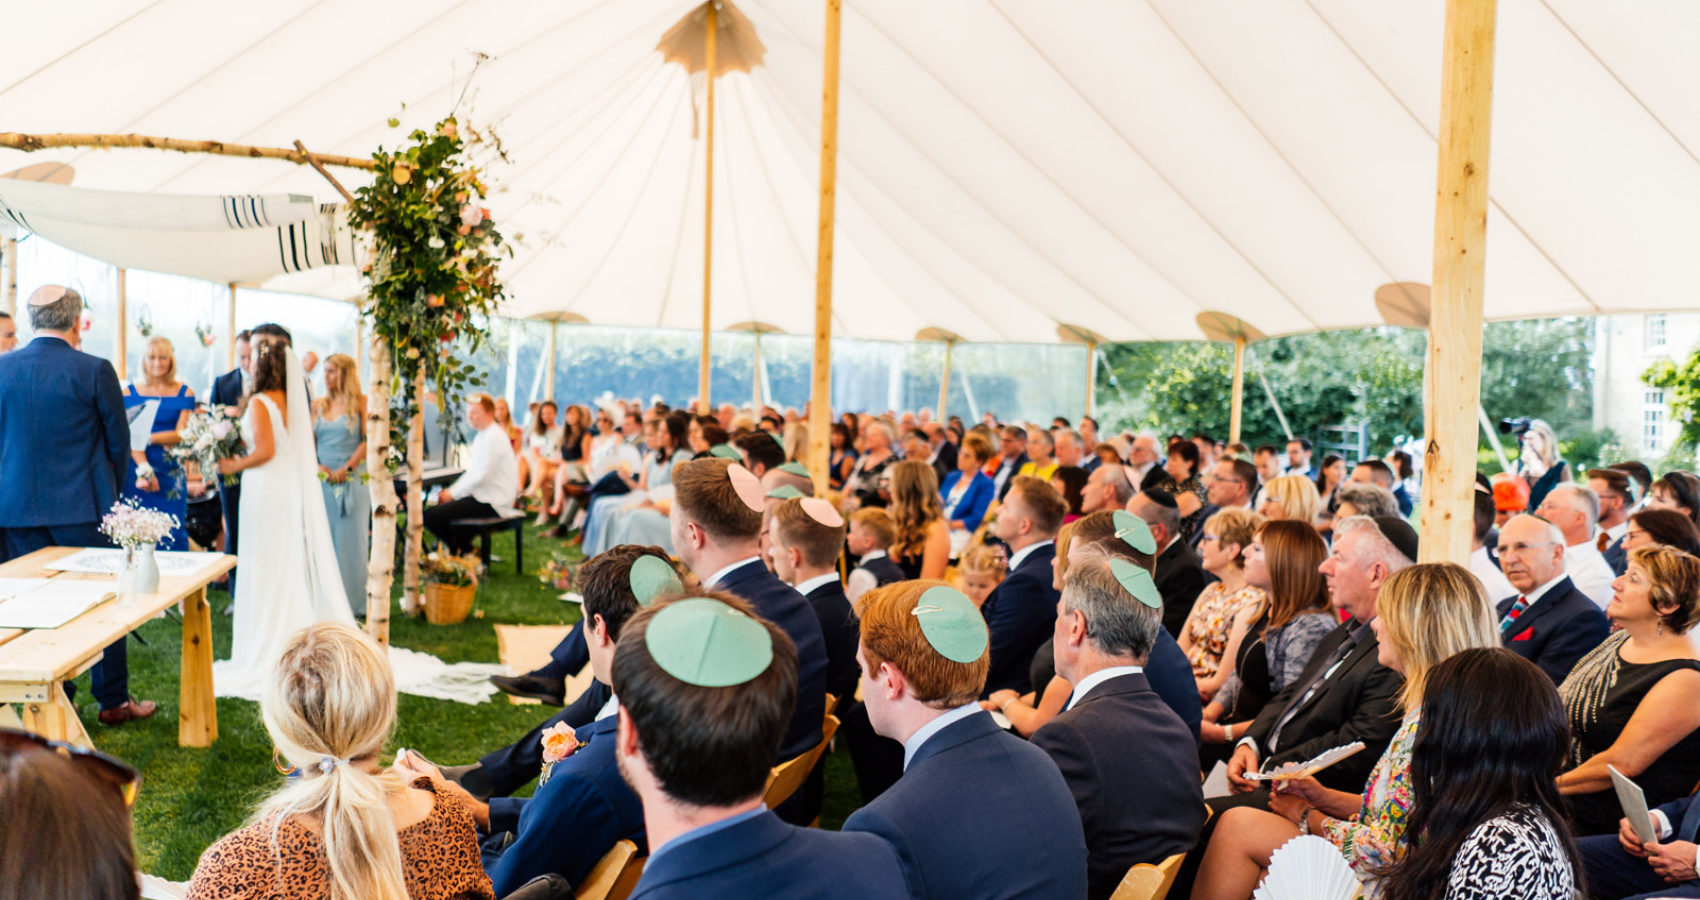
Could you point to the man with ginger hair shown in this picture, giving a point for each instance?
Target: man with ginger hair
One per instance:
(978, 813)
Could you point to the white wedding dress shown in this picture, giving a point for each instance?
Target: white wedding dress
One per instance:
(289, 577)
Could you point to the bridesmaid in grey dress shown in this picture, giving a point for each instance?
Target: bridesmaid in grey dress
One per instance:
(339, 428)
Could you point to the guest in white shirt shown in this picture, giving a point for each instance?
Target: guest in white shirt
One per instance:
(487, 488)
(1576, 510)
(1481, 565)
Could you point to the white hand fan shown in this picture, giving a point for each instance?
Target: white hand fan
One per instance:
(1308, 868)
(1289, 771)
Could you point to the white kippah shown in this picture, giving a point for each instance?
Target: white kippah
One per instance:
(47, 295)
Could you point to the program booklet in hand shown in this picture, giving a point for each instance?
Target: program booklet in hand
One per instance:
(1634, 803)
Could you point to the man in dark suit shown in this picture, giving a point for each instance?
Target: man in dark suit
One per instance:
(683, 670)
(943, 452)
(1012, 452)
(1620, 867)
(1180, 573)
(979, 813)
(1298, 458)
(1612, 487)
(64, 443)
(1021, 610)
(228, 390)
(1129, 761)
(1550, 623)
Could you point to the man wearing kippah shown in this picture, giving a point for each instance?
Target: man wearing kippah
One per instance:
(706, 690)
(1128, 759)
(979, 813)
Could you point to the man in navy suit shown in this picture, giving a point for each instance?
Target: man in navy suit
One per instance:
(1620, 867)
(978, 813)
(1612, 486)
(1012, 449)
(1020, 610)
(64, 442)
(228, 390)
(584, 807)
(1298, 458)
(1128, 759)
(706, 691)
(1550, 623)
(1179, 571)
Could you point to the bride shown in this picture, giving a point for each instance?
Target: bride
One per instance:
(290, 577)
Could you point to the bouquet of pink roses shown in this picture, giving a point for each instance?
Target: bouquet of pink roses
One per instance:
(211, 434)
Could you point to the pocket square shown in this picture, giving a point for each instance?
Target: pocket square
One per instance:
(1527, 634)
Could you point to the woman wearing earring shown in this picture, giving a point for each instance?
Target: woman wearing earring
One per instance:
(166, 489)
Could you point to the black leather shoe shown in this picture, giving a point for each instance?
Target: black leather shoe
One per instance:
(552, 691)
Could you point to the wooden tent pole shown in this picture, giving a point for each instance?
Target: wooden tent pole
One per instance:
(755, 381)
(1235, 410)
(1460, 243)
(1091, 374)
(11, 275)
(230, 331)
(549, 377)
(820, 397)
(944, 383)
(704, 405)
(122, 361)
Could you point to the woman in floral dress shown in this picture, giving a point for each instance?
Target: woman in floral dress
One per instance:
(1204, 639)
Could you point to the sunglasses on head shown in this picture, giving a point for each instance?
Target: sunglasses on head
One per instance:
(107, 769)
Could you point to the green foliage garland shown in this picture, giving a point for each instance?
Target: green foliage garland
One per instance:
(432, 270)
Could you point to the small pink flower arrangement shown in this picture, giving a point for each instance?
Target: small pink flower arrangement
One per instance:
(132, 525)
(559, 742)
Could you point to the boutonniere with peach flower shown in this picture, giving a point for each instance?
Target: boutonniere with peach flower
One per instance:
(559, 742)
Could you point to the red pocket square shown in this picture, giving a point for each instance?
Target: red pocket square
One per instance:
(1527, 634)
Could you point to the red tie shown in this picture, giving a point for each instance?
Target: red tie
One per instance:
(1512, 614)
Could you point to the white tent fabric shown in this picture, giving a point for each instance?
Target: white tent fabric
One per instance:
(1006, 166)
(236, 238)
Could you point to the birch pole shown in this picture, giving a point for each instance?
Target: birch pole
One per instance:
(704, 405)
(1238, 405)
(411, 601)
(380, 571)
(123, 352)
(820, 397)
(1460, 244)
(11, 261)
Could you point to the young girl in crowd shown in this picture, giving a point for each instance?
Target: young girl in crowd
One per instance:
(982, 569)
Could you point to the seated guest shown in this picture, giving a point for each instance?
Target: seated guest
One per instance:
(922, 545)
(1546, 620)
(1290, 497)
(1070, 481)
(1180, 573)
(345, 829)
(706, 690)
(65, 834)
(968, 491)
(1135, 807)
(488, 486)
(1679, 492)
(978, 813)
(1380, 474)
(1634, 701)
(1022, 609)
(1273, 640)
(583, 807)
(1108, 488)
(1204, 637)
(1482, 793)
(1370, 500)
(1426, 614)
(1482, 564)
(870, 534)
(1041, 455)
(1616, 498)
(1621, 867)
(609, 521)
(806, 536)
(1027, 712)
(1661, 526)
(1575, 510)
(983, 568)
(1182, 477)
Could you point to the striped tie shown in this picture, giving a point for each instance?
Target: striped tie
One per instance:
(1512, 614)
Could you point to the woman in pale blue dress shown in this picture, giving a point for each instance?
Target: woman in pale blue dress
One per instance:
(608, 514)
(339, 430)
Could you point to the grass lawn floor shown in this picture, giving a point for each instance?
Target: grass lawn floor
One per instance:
(192, 797)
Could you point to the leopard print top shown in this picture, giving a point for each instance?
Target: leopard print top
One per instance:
(439, 858)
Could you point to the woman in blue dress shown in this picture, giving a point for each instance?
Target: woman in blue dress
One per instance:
(167, 490)
(339, 420)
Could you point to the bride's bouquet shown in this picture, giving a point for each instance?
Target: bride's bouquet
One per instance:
(210, 435)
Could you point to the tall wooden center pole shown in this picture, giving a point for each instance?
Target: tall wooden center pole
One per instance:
(820, 397)
(1239, 391)
(549, 378)
(944, 383)
(1460, 243)
(122, 360)
(704, 405)
(755, 381)
(1091, 374)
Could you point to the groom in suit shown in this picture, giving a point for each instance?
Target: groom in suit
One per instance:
(228, 390)
(64, 442)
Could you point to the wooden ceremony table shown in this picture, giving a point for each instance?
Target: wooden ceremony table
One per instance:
(34, 662)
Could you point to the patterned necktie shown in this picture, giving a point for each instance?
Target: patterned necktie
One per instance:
(1512, 614)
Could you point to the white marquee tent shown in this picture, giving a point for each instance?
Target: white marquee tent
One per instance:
(1005, 166)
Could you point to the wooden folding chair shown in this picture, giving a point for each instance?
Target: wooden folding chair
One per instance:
(789, 775)
(831, 703)
(614, 875)
(1148, 882)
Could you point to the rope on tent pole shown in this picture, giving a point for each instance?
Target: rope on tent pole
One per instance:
(29, 143)
(1280, 416)
(1493, 438)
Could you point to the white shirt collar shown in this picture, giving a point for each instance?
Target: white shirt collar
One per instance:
(1541, 591)
(872, 555)
(1099, 677)
(1619, 531)
(934, 727)
(609, 708)
(1020, 556)
(815, 582)
(714, 580)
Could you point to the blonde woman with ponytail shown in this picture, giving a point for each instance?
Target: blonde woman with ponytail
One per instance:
(345, 829)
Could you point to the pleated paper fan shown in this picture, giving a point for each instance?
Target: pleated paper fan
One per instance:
(1308, 868)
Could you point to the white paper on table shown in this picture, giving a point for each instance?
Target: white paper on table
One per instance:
(1292, 770)
(1634, 803)
(53, 604)
(12, 587)
(141, 424)
(101, 561)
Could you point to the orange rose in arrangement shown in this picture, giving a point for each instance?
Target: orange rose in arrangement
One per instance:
(559, 742)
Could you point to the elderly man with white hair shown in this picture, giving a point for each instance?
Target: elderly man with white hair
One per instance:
(1143, 457)
(1576, 511)
(1108, 487)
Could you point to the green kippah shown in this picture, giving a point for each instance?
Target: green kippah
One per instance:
(725, 451)
(707, 643)
(951, 624)
(786, 492)
(777, 440)
(1134, 531)
(651, 576)
(1136, 581)
(795, 468)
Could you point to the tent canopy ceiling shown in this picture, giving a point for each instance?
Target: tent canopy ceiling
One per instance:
(1006, 166)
